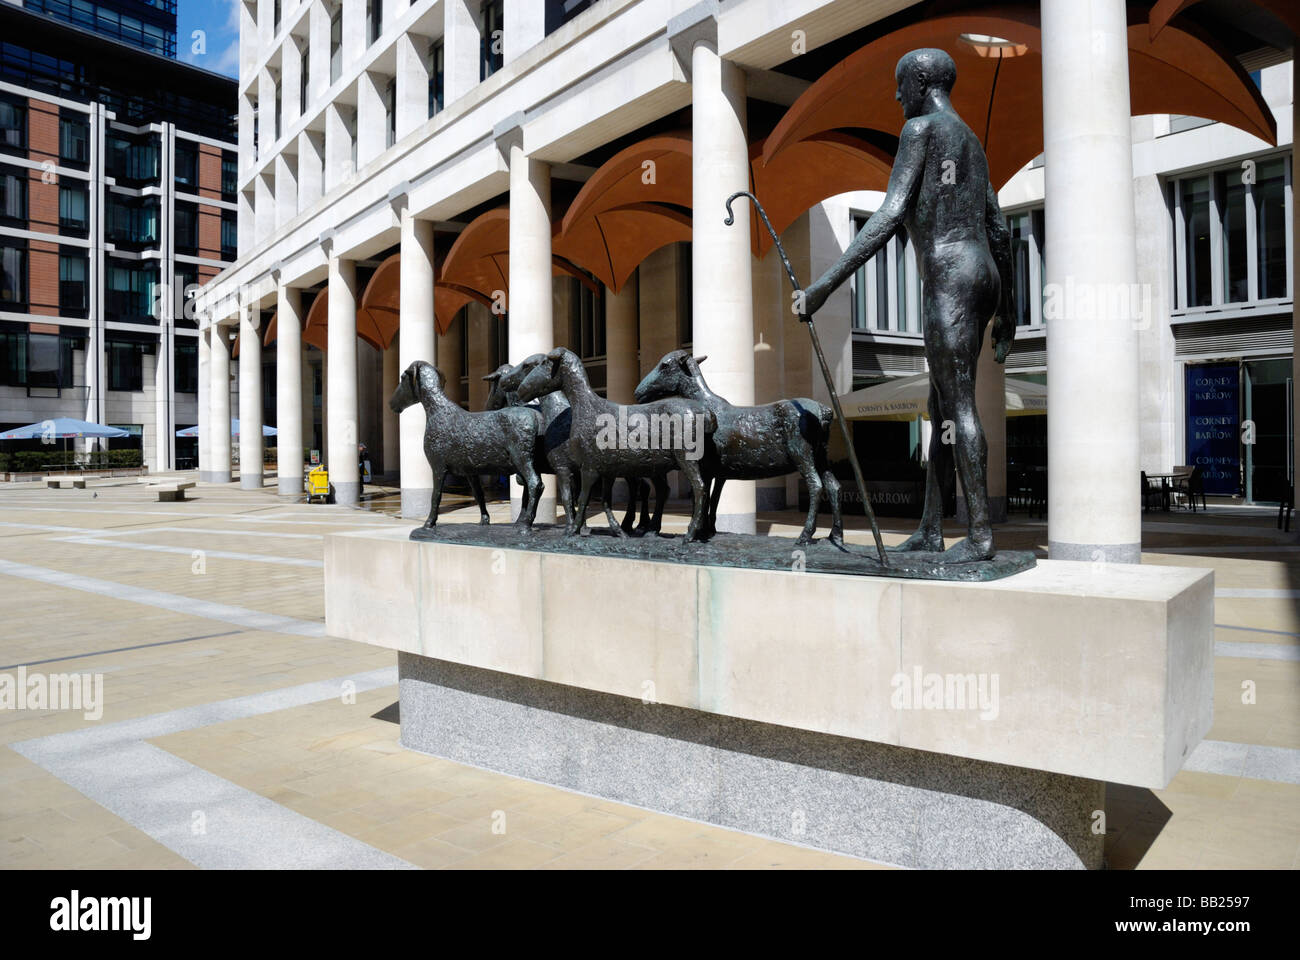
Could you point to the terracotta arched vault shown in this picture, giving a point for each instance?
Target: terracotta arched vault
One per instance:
(1178, 71)
(1286, 11)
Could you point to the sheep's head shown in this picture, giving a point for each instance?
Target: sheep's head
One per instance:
(419, 379)
(500, 395)
(673, 376)
(512, 380)
(545, 376)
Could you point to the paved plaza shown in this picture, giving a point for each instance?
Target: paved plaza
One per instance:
(236, 733)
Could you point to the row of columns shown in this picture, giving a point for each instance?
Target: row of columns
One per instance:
(1094, 509)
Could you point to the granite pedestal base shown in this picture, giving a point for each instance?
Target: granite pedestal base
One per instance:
(890, 804)
(916, 722)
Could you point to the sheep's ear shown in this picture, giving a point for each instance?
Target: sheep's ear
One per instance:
(701, 358)
(492, 377)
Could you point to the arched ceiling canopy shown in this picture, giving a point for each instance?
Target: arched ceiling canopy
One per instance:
(1286, 11)
(1000, 97)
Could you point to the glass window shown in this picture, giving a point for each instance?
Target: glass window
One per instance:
(436, 73)
(45, 360)
(1271, 227)
(1021, 249)
(74, 140)
(73, 271)
(72, 207)
(129, 292)
(187, 164)
(187, 228)
(13, 125)
(1196, 235)
(375, 19)
(900, 276)
(229, 175)
(492, 39)
(125, 366)
(186, 367)
(586, 322)
(685, 284)
(304, 80)
(336, 44)
(560, 12)
(1232, 218)
(13, 194)
(13, 272)
(390, 112)
(229, 235)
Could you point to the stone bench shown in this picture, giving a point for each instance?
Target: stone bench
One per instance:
(920, 723)
(170, 492)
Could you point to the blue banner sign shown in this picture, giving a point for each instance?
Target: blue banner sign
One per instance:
(1214, 425)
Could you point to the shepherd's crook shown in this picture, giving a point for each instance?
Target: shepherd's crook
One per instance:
(821, 359)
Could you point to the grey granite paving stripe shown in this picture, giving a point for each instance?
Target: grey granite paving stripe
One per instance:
(1228, 528)
(223, 533)
(189, 551)
(181, 514)
(50, 528)
(1279, 764)
(1233, 626)
(165, 796)
(190, 606)
(1252, 548)
(1256, 651)
(102, 653)
(1251, 593)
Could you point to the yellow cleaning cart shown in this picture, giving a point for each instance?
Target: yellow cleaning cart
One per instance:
(318, 485)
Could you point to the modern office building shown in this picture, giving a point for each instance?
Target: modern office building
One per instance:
(473, 182)
(118, 188)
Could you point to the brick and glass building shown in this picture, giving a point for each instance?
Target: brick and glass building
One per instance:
(117, 193)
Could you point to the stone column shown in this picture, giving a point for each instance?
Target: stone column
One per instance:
(205, 386)
(1094, 509)
(250, 398)
(392, 462)
(344, 462)
(416, 343)
(288, 391)
(460, 34)
(525, 27)
(219, 405)
(412, 82)
(622, 369)
(530, 316)
(720, 256)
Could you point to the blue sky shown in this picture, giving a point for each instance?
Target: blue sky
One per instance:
(219, 22)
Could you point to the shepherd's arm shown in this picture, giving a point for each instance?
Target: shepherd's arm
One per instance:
(904, 180)
(995, 227)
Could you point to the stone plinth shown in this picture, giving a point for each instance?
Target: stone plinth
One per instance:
(838, 711)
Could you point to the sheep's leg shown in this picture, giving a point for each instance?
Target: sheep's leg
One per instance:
(629, 518)
(607, 494)
(661, 500)
(435, 497)
(699, 496)
(532, 496)
(476, 484)
(809, 473)
(588, 482)
(832, 485)
(564, 490)
(711, 518)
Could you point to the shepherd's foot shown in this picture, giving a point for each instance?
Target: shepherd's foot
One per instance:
(922, 541)
(968, 550)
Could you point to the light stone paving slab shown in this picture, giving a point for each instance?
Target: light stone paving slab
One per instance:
(189, 551)
(226, 613)
(168, 798)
